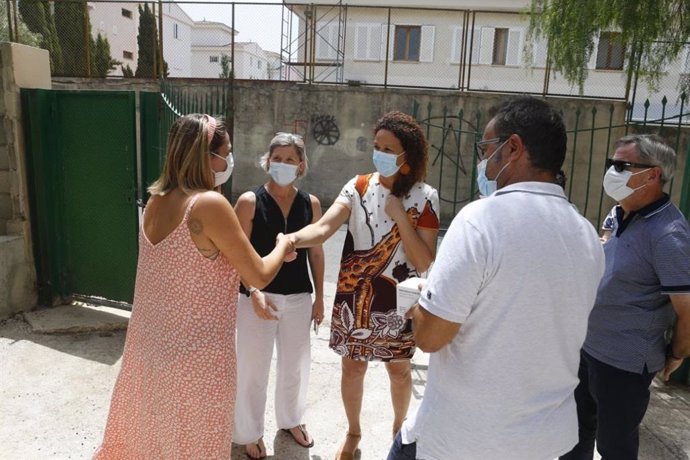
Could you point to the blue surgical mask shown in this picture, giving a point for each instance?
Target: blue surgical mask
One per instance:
(385, 163)
(485, 185)
(283, 173)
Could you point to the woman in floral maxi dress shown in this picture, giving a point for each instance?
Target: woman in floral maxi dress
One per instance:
(175, 394)
(391, 236)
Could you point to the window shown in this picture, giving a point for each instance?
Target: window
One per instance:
(611, 51)
(407, 43)
(176, 30)
(213, 59)
(127, 13)
(500, 46)
(128, 55)
(497, 46)
(258, 64)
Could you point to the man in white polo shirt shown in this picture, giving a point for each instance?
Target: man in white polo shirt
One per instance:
(504, 312)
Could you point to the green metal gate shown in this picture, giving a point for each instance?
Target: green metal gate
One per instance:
(81, 155)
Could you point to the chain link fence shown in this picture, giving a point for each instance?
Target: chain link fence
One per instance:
(461, 50)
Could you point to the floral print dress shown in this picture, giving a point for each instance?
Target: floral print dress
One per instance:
(365, 325)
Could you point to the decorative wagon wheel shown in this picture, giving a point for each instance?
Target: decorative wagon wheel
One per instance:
(325, 131)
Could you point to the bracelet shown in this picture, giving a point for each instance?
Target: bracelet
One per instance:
(251, 290)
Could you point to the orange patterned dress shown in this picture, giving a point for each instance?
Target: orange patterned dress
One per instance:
(175, 394)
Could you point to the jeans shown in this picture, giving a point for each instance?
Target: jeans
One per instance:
(400, 451)
(611, 403)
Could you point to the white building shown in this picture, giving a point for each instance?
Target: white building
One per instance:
(190, 48)
(119, 23)
(481, 47)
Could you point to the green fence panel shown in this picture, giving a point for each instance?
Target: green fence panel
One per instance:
(82, 155)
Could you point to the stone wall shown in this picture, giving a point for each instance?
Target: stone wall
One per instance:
(20, 67)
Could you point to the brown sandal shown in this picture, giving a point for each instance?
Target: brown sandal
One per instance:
(259, 446)
(348, 455)
(305, 440)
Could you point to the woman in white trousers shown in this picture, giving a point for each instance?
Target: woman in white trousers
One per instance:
(281, 315)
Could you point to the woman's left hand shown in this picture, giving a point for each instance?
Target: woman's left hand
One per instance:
(394, 208)
(317, 310)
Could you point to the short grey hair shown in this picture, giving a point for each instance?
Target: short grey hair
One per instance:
(286, 140)
(653, 150)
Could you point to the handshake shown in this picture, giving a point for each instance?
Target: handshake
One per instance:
(288, 241)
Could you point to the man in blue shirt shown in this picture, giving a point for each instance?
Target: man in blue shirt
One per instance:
(646, 285)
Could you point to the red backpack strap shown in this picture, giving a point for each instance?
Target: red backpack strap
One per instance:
(362, 183)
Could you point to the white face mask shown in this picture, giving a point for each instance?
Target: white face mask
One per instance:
(486, 186)
(385, 163)
(222, 177)
(283, 173)
(616, 183)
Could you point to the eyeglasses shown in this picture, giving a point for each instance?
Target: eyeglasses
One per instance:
(480, 147)
(620, 165)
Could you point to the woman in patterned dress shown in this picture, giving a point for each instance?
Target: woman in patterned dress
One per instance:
(175, 393)
(392, 229)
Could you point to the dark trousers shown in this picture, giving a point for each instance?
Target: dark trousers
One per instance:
(610, 406)
(400, 451)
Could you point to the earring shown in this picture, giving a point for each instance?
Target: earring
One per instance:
(405, 169)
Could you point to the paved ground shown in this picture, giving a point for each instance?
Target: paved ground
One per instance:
(55, 390)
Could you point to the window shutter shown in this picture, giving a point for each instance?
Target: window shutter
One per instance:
(361, 41)
(486, 51)
(325, 45)
(391, 38)
(426, 47)
(476, 44)
(456, 45)
(539, 53)
(592, 64)
(514, 54)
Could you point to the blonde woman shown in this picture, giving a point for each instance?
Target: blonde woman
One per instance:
(175, 394)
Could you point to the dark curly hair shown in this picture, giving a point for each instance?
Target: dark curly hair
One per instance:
(413, 141)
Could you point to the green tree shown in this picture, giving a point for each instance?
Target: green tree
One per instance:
(101, 62)
(654, 33)
(70, 23)
(127, 71)
(147, 41)
(37, 28)
(225, 67)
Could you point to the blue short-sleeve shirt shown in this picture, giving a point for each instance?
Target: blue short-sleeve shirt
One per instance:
(647, 259)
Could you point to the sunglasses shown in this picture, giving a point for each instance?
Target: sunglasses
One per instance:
(620, 165)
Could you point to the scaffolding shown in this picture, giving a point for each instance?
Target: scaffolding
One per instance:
(312, 42)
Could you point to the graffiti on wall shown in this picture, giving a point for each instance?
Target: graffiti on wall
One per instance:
(324, 129)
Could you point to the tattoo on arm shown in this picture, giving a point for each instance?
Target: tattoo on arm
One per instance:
(195, 226)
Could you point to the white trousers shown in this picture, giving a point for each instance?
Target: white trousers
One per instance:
(255, 340)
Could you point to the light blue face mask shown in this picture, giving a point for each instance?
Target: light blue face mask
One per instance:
(486, 186)
(385, 163)
(283, 173)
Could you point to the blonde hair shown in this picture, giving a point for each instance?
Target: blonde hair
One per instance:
(187, 159)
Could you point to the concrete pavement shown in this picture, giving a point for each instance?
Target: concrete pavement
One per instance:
(55, 389)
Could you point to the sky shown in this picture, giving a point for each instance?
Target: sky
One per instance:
(256, 23)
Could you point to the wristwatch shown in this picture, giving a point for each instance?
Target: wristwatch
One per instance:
(250, 290)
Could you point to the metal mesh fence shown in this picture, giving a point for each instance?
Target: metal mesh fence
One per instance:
(365, 45)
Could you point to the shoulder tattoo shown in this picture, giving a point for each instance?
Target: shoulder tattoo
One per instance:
(195, 226)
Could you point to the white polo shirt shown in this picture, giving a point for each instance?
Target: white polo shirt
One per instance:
(519, 270)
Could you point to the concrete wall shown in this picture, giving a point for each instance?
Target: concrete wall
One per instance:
(20, 67)
(263, 108)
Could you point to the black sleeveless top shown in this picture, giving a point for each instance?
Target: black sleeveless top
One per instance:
(293, 277)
